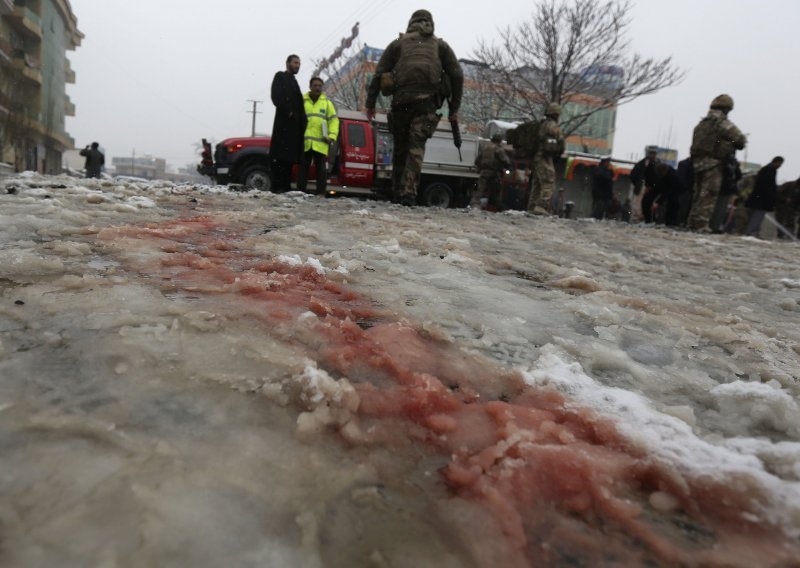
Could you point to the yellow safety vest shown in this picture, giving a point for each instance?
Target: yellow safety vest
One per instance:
(322, 123)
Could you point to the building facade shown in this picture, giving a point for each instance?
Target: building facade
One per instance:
(146, 167)
(35, 36)
(347, 86)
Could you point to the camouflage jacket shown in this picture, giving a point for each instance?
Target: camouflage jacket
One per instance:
(450, 66)
(491, 159)
(551, 140)
(728, 138)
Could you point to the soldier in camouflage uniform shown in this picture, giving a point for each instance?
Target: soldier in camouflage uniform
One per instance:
(714, 144)
(549, 147)
(491, 161)
(412, 69)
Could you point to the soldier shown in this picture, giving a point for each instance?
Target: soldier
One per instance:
(714, 143)
(550, 146)
(491, 161)
(420, 71)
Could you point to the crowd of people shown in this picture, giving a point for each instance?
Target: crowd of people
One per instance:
(705, 192)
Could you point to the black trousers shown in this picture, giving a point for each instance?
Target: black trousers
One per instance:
(282, 175)
(320, 163)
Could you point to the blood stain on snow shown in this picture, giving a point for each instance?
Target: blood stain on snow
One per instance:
(562, 485)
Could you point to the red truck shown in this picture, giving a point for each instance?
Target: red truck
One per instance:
(359, 163)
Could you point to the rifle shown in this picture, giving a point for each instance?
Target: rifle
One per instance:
(456, 137)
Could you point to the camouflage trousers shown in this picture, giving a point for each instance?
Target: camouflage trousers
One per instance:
(707, 184)
(544, 182)
(411, 127)
(489, 187)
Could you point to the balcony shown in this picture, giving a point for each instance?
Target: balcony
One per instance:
(26, 22)
(27, 66)
(69, 73)
(69, 107)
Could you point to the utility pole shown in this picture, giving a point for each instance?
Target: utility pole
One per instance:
(254, 112)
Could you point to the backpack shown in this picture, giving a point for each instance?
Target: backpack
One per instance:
(419, 69)
(705, 139)
(525, 137)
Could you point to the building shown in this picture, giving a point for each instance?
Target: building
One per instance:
(348, 83)
(146, 167)
(667, 155)
(35, 36)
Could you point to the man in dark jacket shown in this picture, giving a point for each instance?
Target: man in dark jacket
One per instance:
(602, 188)
(415, 70)
(643, 178)
(286, 146)
(95, 160)
(787, 206)
(686, 178)
(762, 198)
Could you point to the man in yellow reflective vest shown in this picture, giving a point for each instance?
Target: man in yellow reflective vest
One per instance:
(321, 132)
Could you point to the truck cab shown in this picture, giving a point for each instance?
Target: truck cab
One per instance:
(359, 163)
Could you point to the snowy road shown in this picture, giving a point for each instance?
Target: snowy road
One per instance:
(190, 376)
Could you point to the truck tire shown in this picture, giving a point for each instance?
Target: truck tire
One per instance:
(257, 177)
(437, 194)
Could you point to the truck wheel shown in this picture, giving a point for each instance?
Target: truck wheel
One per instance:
(437, 194)
(257, 177)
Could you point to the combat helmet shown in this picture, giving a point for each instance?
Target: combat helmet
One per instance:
(723, 103)
(553, 109)
(420, 16)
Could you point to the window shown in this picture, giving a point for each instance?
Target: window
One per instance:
(356, 136)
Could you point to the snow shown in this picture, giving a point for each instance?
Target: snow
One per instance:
(137, 415)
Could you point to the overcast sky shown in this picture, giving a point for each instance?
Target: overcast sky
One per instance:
(158, 75)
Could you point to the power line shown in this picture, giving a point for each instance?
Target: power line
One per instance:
(254, 112)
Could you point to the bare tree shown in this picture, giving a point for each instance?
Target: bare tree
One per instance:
(343, 78)
(483, 103)
(342, 71)
(570, 49)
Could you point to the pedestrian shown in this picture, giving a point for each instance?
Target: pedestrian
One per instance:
(714, 142)
(762, 199)
(602, 188)
(286, 146)
(787, 206)
(491, 161)
(686, 176)
(643, 181)
(95, 160)
(419, 71)
(549, 147)
(322, 129)
(669, 189)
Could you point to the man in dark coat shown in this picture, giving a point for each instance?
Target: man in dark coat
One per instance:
(762, 198)
(643, 178)
(95, 160)
(286, 146)
(787, 205)
(670, 190)
(686, 177)
(602, 188)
